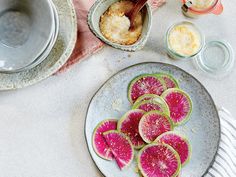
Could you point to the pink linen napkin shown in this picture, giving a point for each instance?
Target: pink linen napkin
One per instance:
(87, 43)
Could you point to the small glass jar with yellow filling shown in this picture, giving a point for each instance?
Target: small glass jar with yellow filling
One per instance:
(196, 8)
(184, 40)
(214, 55)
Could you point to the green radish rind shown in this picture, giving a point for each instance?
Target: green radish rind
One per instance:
(127, 138)
(123, 118)
(164, 106)
(171, 90)
(154, 144)
(93, 138)
(183, 137)
(143, 97)
(153, 112)
(136, 79)
(160, 75)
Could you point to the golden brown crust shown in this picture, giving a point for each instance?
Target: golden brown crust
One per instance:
(114, 25)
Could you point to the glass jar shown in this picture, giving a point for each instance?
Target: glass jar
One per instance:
(196, 8)
(184, 40)
(212, 55)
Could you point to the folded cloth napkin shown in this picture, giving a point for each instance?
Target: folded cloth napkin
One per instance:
(225, 161)
(87, 43)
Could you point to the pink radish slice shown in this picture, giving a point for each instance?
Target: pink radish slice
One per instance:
(144, 84)
(99, 143)
(121, 148)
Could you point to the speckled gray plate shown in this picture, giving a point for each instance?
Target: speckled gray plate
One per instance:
(57, 57)
(203, 128)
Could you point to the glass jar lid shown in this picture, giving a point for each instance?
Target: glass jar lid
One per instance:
(216, 57)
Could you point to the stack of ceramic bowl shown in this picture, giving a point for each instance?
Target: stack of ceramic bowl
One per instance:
(28, 32)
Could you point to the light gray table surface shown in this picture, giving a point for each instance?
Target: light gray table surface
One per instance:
(42, 126)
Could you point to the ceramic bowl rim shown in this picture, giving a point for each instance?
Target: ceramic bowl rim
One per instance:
(41, 74)
(47, 50)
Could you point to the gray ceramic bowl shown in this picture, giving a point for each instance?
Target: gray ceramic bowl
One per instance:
(99, 7)
(26, 29)
(58, 56)
(52, 42)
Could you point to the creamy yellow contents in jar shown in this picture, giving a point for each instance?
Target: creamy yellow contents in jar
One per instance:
(114, 25)
(184, 40)
(202, 4)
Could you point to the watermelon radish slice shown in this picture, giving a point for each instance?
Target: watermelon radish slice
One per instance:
(158, 104)
(146, 97)
(148, 106)
(121, 148)
(159, 160)
(180, 105)
(153, 124)
(99, 143)
(179, 143)
(170, 81)
(144, 84)
(128, 125)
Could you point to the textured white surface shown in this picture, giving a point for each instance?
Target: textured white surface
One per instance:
(41, 127)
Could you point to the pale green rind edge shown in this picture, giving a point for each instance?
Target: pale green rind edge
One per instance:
(161, 80)
(127, 138)
(184, 138)
(123, 118)
(188, 98)
(93, 137)
(166, 145)
(141, 98)
(135, 80)
(163, 105)
(170, 77)
(151, 112)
